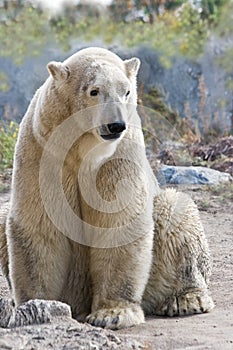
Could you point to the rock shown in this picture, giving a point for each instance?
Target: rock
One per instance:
(34, 311)
(65, 334)
(191, 175)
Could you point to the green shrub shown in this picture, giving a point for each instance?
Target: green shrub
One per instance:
(30, 30)
(8, 137)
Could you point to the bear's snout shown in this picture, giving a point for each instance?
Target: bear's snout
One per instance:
(113, 130)
(116, 128)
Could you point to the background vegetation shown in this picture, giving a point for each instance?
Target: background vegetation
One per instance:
(171, 27)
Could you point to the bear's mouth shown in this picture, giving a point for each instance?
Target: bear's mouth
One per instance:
(111, 136)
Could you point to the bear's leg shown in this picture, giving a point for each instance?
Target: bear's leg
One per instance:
(38, 263)
(4, 263)
(119, 276)
(178, 283)
(37, 271)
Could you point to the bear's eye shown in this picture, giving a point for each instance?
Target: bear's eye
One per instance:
(127, 93)
(94, 92)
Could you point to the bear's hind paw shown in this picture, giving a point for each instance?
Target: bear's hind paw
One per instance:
(117, 317)
(189, 303)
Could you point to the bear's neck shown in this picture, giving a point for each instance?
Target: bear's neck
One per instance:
(48, 114)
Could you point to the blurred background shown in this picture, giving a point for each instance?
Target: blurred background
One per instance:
(186, 76)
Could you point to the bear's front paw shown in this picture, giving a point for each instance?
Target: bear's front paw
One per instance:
(117, 317)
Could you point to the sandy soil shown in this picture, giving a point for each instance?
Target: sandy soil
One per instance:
(199, 332)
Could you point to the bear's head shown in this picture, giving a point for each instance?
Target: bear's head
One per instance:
(98, 86)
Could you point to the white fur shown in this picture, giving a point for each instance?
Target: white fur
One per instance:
(83, 211)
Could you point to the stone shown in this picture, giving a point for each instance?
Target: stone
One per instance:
(191, 175)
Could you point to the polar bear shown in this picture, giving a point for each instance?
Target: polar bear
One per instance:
(88, 224)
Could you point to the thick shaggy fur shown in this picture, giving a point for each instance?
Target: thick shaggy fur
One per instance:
(157, 259)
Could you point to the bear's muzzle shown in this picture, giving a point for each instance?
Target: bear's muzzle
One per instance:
(112, 131)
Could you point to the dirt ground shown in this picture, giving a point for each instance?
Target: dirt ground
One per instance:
(207, 331)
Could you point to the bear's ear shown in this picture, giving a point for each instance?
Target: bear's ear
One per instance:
(132, 66)
(58, 71)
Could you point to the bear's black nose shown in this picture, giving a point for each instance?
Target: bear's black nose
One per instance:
(116, 128)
